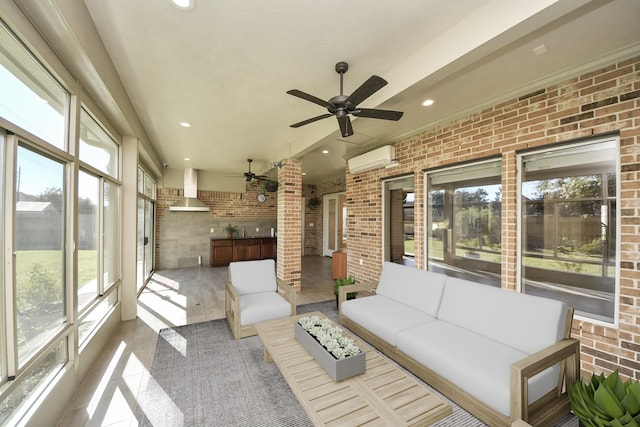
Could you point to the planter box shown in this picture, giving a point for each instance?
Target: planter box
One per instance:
(338, 369)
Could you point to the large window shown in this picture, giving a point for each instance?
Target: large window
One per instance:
(31, 98)
(568, 245)
(146, 208)
(97, 148)
(464, 221)
(39, 248)
(98, 224)
(37, 292)
(398, 212)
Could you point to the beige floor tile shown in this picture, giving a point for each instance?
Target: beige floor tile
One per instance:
(108, 395)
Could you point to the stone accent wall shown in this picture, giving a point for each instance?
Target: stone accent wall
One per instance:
(182, 237)
(596, 103)
(289, 266)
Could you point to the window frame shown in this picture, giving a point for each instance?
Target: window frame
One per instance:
(520, 156)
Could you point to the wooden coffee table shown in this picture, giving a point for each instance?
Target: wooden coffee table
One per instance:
(384, 395)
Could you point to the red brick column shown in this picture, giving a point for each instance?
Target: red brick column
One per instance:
(290, 222)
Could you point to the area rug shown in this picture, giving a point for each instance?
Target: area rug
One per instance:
(201, 376)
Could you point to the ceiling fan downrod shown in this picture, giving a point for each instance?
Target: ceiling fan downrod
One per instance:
(341, 68)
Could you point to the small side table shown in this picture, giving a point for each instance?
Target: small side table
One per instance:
(339, 264)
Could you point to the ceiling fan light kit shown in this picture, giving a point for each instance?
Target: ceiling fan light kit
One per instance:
(341, 106)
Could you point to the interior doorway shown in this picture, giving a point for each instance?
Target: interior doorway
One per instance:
(334, 235)
(399, 220)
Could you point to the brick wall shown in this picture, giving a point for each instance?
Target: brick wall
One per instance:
(289, 266)
(603, 101)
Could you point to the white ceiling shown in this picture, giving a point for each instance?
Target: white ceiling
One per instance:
(225, 67)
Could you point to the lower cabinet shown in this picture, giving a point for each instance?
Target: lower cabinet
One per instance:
(221, 253)
(226, 250)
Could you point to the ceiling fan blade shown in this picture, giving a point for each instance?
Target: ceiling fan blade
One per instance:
(368, 88)
(311, 120)
(345, 125)
(377, 114)
(310, 98)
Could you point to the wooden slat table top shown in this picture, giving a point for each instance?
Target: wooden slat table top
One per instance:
(384, 395)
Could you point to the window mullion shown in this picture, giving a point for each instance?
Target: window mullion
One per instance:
(100, 248)
(10, 304)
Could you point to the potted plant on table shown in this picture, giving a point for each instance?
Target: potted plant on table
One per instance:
(230, 229)
(606, 401)
(344, 282)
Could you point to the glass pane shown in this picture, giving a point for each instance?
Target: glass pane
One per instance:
(33, 383)
(149, 187)
(88, 235)
(140, 278)
(408, 226)
(111, 248)
(148, 251)
(464, 219)
(569, 221)
(97, 148)
(140, 180)
(93, 317)
(332, 217)
(3, 373)
(40, 219)
(31, 98)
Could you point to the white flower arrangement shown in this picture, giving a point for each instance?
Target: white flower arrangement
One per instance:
(330, 337)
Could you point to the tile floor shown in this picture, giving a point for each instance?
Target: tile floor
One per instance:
(108, 394)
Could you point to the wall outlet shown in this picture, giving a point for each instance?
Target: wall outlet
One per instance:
(213, 230)
(360, 262)
(257, 229)
(310, 224)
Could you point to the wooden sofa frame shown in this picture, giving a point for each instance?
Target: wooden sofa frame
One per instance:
(232, 298)
(543, 412)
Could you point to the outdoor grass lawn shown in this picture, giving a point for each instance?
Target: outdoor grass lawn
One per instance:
(52, 260)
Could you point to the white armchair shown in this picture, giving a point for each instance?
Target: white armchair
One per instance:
(251, 296)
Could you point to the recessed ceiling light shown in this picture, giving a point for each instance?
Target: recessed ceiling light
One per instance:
(184, 4)
(187, 158)
(428, 102)
(325, 151)
(185, 124)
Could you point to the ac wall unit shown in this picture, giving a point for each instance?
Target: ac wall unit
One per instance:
(377, 158)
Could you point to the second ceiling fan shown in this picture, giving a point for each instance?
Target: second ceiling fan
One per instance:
(342, 105)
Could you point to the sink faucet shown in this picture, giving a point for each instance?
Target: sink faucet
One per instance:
(244, 231)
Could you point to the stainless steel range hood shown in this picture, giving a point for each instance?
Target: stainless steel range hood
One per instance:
(190, 202)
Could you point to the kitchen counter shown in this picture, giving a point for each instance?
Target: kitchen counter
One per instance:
(223, 250)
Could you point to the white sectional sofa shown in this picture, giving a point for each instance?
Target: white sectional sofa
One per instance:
(501, 355)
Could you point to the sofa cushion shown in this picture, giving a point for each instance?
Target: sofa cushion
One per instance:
(248, 277)
(382, 316)
(525, 322)
(476, 364)
(421, 289)
(263, 306)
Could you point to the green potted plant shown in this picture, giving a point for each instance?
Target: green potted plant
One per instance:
(343, 282)
(270, 185)
(230, 229)
(313, 203)
(606, 401)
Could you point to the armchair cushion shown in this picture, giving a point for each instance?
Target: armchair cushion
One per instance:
(249, 277)
(261, 306)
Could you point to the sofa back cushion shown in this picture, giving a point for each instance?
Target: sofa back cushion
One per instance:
(524, 322)
(420, 289)
(249, 277)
